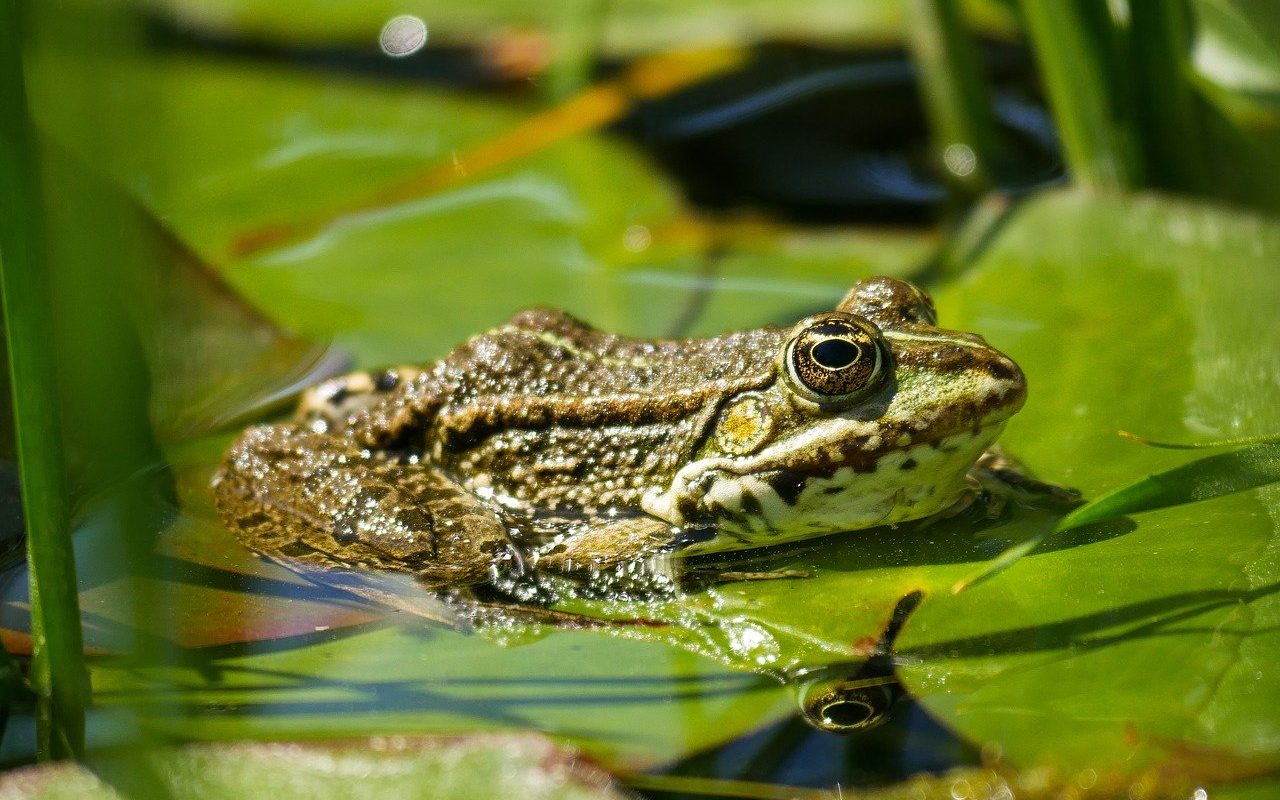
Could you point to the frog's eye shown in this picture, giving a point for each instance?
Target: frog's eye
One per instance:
(835, 358)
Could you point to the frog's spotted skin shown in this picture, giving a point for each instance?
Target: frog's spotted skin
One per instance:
(546, 441)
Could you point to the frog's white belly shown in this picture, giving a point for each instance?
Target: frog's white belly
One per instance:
(749, 512)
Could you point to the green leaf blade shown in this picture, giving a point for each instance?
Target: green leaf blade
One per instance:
(1202, 479)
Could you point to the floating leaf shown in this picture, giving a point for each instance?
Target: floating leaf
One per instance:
(432, 769)
(1116, 639)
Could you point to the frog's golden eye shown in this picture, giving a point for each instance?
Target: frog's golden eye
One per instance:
(835, 358)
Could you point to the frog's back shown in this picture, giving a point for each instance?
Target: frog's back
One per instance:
(543, 353)
(554, 413)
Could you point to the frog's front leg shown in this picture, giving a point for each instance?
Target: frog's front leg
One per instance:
(295, 494)
(1002, 476)
(995, 480)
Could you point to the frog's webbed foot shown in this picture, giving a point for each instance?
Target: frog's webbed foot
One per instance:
(1000, 477)
(295, 494)
(997, 479)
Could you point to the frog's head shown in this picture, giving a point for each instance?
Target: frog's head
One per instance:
(874, 417)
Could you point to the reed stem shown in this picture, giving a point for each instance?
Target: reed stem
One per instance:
(58, 674)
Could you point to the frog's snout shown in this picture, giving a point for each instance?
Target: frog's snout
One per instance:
(1006, 389)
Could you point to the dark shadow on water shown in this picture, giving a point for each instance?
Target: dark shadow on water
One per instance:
(793, 753)
(962, 540)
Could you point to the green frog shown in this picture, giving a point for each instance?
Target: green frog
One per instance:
(547, 446)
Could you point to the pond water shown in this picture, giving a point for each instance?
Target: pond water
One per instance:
(254, 201)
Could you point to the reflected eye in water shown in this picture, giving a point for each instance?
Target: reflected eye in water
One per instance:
(845, 698)
(844, 705)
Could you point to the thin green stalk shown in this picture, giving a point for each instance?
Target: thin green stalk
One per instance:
(1077, 48)
(955, 93)
(577, 45)
(1170, 116)
(58, 674)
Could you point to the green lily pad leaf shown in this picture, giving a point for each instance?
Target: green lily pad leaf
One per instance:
(434, 769)
(584, 225)
(1123, 643)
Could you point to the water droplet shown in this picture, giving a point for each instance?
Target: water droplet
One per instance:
(636, 238)
(960, 159)
(403, 35)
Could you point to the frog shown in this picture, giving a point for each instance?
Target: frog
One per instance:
(546, 446)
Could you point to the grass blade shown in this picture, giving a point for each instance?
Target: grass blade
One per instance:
(1077, 48)
(58, 673)
(1241, 442)
(1203, 479)
(955, 94)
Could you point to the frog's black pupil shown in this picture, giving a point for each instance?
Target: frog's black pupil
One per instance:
(835, 353)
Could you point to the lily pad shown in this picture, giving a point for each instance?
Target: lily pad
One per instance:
(584, 225)
(1153, 633)
(433, 769)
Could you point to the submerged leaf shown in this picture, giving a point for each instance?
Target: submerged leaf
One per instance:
(458, 768)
